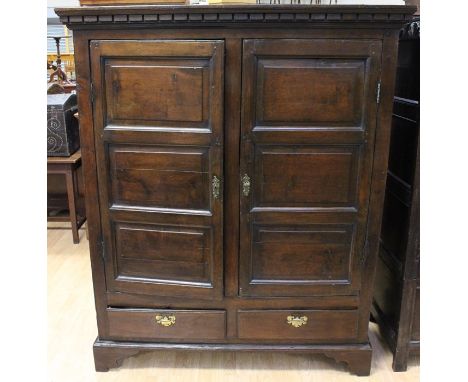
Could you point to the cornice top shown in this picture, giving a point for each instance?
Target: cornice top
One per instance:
(228, 14)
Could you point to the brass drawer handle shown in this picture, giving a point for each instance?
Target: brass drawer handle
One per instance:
(216, 184)
(246, 185)
(296, 321)
(165, 320)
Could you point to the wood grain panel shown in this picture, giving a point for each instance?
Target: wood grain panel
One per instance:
(156, 90)
(165, 177)
(157, 252)
(140, 324)
(302, 176)
(307, 91)
(303, 253)
(326, 325)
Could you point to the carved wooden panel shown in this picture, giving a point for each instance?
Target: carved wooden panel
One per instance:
(158, 124)
(304, 176)
(301, 253)
(160, 176)
(156, 91)
(164, 252)
(310, 91)
(158, 85)
(308, 127)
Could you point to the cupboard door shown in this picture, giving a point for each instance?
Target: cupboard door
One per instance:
(158, 115)
(308, 124)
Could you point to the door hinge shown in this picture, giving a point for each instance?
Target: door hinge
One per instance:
(92, 93)
(378, 93)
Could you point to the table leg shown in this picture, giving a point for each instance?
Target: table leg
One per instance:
(71, 189)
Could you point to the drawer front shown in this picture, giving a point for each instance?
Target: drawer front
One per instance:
(320, 325)
(153, 324)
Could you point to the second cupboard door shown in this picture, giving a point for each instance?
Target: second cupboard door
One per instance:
(158, 114)
(308, 124)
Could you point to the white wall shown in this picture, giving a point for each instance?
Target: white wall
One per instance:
(62, 3)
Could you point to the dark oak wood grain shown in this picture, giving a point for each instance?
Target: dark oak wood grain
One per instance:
(322, 176)
(188, 325)
(174, 98)
(159, 178)
(325, 326)
(110, 354)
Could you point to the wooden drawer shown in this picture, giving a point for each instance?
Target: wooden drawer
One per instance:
(153, 324)
(323, 325)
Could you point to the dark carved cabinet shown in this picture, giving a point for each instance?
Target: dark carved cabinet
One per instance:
(234, 161)
(396, 299)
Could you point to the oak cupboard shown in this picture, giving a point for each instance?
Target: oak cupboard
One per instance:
(234, 164)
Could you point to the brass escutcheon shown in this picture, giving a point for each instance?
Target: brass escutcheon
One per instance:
(297, 321)
(245, 185)
(216, 184)
(165, 320)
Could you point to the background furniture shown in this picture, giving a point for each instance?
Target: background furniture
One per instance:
(63, 134)
(234, 163)
(67, 166)
(396, 299)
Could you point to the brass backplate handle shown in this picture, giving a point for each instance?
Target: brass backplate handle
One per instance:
(168, 320)
(246, 185)
(216, 185)
(296, 321)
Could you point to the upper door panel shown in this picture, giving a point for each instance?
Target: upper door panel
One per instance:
(158, 122)
(156, 92)
(159, 85)
(330, 92)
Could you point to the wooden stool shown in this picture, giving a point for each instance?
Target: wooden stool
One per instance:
(68, 166)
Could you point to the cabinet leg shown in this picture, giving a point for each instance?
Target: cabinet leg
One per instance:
(359, 362)
(106, 358)
(71, 189)
(400, 360)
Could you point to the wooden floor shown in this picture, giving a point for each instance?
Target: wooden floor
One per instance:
(72, 330)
